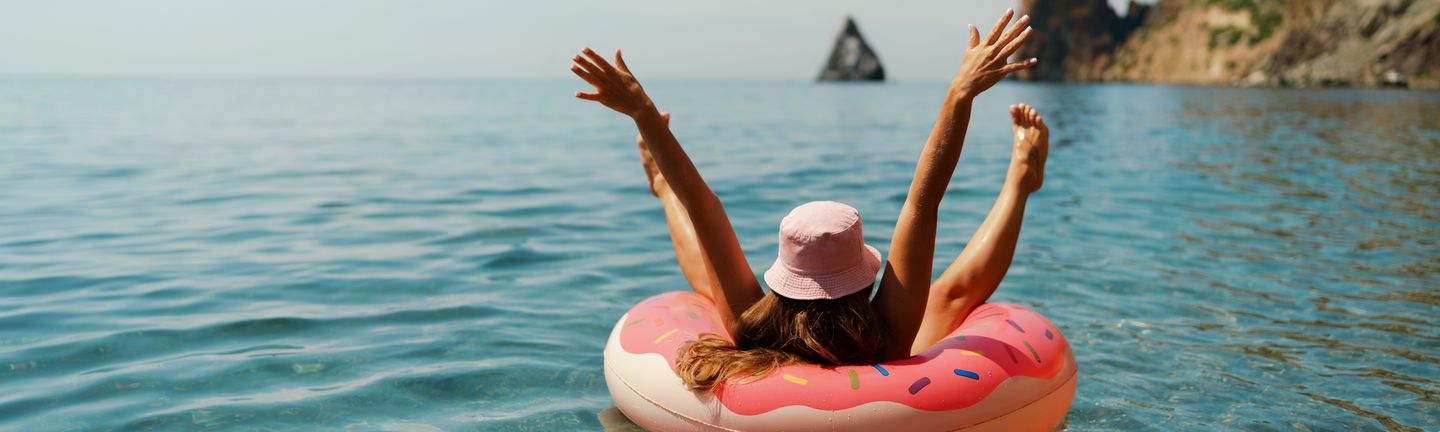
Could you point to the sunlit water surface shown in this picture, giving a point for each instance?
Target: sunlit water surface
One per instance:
(450, 255)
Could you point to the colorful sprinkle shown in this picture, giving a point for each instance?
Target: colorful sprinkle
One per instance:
(971, 353)
(666, 335)
(1032, 351)
(795, 379)
(1011, 352)
(634, 321)
(1017, 326)
(919, 384)
(1049, 335)
(854, 380)
(967, 374)
(692, 315)
(882, 370)
(960, 338)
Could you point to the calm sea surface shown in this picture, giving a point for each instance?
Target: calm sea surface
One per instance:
(450, 255)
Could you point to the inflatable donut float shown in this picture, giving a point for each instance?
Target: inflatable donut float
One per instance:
(1005, 369)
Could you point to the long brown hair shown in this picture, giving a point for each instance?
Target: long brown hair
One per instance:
(778, 331)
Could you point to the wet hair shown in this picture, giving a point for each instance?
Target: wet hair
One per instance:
(779, 331)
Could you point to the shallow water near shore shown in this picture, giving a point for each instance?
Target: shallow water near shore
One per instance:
(451, 255)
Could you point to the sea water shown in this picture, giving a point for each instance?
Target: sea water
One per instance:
(451, 254)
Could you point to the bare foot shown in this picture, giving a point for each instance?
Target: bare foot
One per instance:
(652, 173)
(1032, 145)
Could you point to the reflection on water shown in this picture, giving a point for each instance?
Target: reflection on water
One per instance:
(420, 255)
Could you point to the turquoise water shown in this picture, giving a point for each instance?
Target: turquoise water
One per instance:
(450, 255)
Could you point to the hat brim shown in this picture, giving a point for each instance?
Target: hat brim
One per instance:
(791, 284)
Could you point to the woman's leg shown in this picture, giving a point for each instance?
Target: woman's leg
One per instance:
(977, 272)
(682, 232)
(693, 262)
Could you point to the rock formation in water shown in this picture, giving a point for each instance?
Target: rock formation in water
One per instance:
(1247, 42)
(852, 59)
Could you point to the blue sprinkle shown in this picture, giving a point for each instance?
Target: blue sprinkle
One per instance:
(919, 384)
(882, 370)
(1017, 326)
(1048, 335)
(967, 374)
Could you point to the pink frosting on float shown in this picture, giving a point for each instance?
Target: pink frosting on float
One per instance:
(996, 342)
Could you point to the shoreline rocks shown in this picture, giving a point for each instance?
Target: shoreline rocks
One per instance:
(1289, 43)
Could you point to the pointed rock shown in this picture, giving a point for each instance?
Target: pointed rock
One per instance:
(852, 59)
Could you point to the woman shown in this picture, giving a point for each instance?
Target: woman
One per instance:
(818, 309)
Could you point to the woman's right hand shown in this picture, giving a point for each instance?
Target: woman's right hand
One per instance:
(985, 61)
(615, 87)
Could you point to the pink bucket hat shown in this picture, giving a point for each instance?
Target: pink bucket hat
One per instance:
(822, 253)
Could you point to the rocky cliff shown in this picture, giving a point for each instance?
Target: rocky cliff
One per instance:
(1247, 42)
(1074, 38)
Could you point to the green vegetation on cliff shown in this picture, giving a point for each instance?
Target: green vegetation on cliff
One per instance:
(1266, 16)
(1227, 35)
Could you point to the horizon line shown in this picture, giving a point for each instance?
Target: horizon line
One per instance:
(403, 77)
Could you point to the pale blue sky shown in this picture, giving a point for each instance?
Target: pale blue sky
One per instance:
(731, 39)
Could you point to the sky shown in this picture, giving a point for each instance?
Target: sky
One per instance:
(917, 40)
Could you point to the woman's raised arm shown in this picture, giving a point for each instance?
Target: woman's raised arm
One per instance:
(617, 89)
(905, 285)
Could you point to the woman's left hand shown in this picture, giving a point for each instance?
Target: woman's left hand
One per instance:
(615, 87)
(987, 61)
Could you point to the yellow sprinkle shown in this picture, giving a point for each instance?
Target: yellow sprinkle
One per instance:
(970, 353)
(795, 379)
(666, 335)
